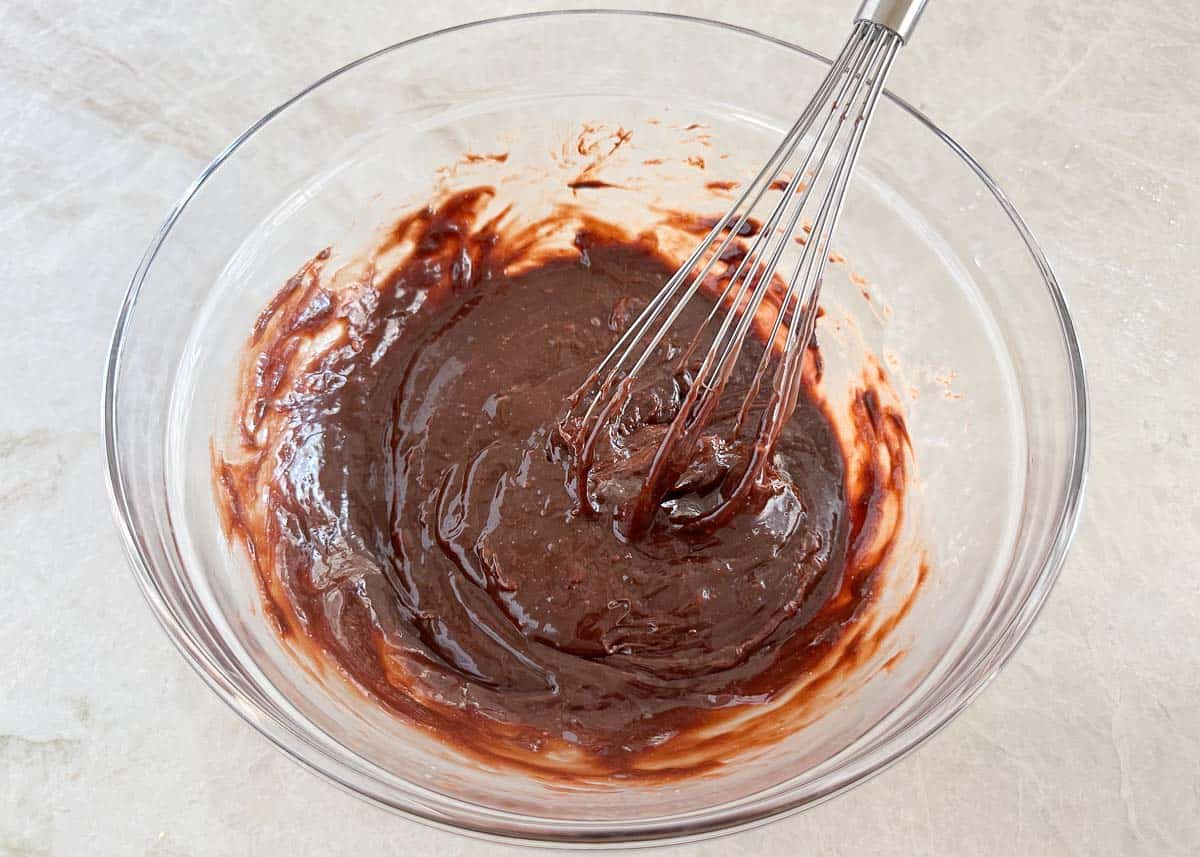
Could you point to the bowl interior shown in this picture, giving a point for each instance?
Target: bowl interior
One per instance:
(941, 284)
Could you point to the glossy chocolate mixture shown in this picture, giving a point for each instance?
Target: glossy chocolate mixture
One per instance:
(404, 487)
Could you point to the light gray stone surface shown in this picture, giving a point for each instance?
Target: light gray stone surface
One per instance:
(1088, 743)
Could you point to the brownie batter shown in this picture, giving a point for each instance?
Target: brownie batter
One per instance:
(405, 485)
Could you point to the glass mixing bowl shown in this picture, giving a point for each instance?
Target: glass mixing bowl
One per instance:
(964, 310)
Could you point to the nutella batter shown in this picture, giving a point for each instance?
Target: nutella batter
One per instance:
(404, 487)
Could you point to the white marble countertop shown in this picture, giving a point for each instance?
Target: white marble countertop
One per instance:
(1088, 743)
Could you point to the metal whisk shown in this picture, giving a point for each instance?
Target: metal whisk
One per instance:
(832, 125)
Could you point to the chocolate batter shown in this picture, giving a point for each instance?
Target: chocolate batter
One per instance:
(404, 488)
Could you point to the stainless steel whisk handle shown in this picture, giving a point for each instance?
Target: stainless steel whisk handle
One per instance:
(899, 16)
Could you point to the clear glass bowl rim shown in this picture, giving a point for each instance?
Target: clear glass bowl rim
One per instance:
(449, 813)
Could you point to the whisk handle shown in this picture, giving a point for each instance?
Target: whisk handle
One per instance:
(899, 16)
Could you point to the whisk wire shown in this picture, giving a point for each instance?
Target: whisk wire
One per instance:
(786, 383)
(846, 98)
(758, 187)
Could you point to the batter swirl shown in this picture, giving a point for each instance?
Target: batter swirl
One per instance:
(401, 486)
